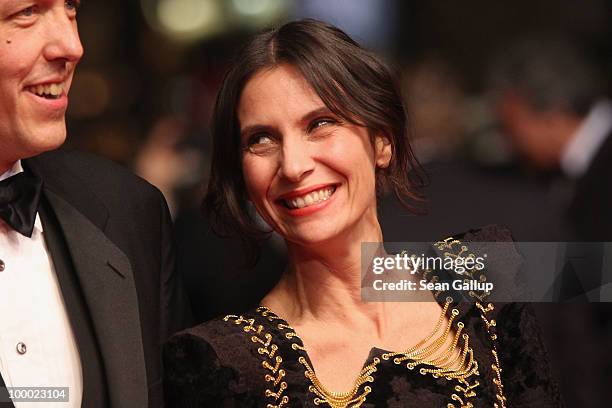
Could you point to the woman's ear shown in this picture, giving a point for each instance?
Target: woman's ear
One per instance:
(384, 150)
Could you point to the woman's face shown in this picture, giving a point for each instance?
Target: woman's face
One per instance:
(310, 175)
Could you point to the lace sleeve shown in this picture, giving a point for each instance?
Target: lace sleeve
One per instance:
(526, 373)
(193, 375)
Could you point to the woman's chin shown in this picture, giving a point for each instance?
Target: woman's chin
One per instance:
(312, 238)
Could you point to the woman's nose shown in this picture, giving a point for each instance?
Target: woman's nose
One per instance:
(296, 160)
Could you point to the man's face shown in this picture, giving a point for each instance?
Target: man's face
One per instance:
(536, 135)
(39, 50)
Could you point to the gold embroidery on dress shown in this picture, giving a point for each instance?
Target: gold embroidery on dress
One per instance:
(322, 395)
(454, 248)
(490, 324)
(444, 362)
(271, 362)
(497, 380)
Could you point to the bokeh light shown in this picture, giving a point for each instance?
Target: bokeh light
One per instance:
(184, 20)
(258, 13)
(89, 94)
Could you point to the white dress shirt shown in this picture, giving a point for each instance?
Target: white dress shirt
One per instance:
(587, 140)
(37, 345)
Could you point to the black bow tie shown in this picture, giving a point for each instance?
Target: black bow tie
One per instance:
(19, 199)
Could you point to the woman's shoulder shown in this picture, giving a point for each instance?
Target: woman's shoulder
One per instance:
(486, 265)
(206, 331)
(217, 336)
(502, 313)
(487, 233)
(195, 349)
(213, 364)
(225, 340)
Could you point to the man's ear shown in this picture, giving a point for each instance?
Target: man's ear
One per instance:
(384, 150)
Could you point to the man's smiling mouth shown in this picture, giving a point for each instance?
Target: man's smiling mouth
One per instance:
(47, 91)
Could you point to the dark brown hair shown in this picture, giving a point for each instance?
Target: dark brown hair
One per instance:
(351, 81)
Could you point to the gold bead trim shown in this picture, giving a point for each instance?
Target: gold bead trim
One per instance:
(490, 325)
(446, 363)
(322, 394)
(271, 362)
(454, 248)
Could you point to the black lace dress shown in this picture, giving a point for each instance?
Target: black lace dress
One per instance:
(257, 360)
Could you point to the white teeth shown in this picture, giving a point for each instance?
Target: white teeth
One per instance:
(54, 90)
(314, 197)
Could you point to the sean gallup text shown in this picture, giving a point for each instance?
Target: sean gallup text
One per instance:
(423, 284)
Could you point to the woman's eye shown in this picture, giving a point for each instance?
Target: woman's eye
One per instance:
(260, 139)
(260, 143)
(319, 123)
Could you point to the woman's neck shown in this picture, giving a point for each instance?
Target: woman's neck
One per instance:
(323, 281)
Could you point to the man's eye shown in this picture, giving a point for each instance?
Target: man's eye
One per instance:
(72, 4)
(27, 12)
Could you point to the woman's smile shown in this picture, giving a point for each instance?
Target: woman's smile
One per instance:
(308, 200)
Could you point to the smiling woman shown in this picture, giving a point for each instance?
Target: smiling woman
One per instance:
(344, 84)
(309, 128)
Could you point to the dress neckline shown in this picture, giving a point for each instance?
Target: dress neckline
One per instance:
(431, 352)
(447, 310)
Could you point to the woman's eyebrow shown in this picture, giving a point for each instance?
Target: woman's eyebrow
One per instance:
(251, 129)
(323, 110)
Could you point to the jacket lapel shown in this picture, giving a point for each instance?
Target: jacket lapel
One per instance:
(106, 278)
(5, 400)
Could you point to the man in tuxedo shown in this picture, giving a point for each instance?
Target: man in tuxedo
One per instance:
(87, 285)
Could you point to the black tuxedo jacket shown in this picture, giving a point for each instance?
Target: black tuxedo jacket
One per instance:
(591, 207)
(110, 232)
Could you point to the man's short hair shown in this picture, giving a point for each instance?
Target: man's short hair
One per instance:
(550, 73)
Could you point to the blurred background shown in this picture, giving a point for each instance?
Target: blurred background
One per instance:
(509, 116)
